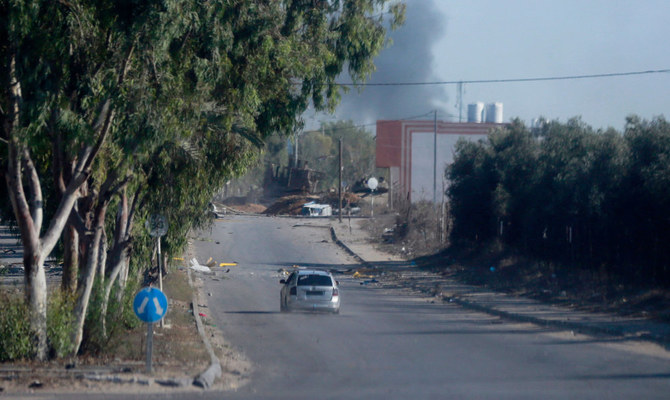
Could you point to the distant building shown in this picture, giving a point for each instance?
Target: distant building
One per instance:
(406, 148)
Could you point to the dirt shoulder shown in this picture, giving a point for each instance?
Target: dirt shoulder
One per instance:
(497, 269)
(575, 288)
(512, 288)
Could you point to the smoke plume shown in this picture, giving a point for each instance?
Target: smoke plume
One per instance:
(408, 59)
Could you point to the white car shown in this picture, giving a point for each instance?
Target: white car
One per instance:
(310, 290)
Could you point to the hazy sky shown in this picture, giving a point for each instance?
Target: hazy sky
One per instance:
(452, 40)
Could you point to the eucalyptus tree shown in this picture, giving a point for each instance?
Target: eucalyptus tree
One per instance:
(102, 90)
(62, 71)
(238, 73)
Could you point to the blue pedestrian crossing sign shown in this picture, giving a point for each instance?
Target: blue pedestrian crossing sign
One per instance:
(150, 304)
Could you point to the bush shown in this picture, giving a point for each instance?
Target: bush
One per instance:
(16, 337)
(119, 317)
(60, 322)
(570, 196)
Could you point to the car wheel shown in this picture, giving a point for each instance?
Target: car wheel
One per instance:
(282, 306)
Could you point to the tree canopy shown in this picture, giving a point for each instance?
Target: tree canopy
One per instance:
(138, 106)
(593, 199)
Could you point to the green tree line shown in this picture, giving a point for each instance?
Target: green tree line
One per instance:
(114, 110)
(570, 194)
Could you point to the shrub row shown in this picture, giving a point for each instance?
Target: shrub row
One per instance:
(568, 193)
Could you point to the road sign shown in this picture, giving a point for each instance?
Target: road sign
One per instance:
(157, 225)
(150, 304)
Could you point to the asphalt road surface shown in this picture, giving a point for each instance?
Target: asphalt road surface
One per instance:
(389, 344)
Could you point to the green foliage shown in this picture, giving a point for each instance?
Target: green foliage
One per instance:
(191, 91)
(16, 338)
(591, 198)
(320, 150)
(120, 314)
(95, 339)
(119, 318)
(60, 320)
(472, 191)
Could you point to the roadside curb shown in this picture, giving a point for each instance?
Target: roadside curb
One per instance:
(563, 324)
(207, 378)
(566, 324)
(346, 248)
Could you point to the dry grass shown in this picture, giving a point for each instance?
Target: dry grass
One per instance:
(178, 352)
(178, 342)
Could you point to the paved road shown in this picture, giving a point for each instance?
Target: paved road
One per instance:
(386, 344)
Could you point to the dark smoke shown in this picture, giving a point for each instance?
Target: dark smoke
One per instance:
(408, 59)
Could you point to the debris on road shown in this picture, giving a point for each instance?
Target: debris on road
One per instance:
(358, 275)
(195, 265)
(289, 205)
(283, 272)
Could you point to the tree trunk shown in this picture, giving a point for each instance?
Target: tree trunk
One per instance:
(102, 257)
(119, 254)
(36, 297)
(28, 220)
(37, 245)
(88, 278)
(119, 259)
(33, 259)
(70, 259)
(123, 277)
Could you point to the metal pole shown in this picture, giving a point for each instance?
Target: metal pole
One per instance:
(460, 101)
(160, 271)
(150, 345)
(391, 191)
(295, 162)
(160, 264)
(339, 192)
(435, 158)
(372, 197)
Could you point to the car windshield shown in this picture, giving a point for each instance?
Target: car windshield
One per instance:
(314, 280)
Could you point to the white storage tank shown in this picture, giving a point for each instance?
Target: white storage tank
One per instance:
(476, 112)
(494, 113)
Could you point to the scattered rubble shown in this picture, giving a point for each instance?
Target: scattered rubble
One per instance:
(290, 205)
(293, 204)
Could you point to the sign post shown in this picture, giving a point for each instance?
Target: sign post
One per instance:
(150, 305)
(372, 184)
(157, 227)
(150, 346)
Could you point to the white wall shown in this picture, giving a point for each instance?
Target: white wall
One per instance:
(422, 162)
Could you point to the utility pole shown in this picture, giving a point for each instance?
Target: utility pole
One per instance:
(339, 192)
(435, 158)
(295, 161)
(459, 101)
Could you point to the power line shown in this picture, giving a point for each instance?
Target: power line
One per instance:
(512, 80)
(373, 123)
